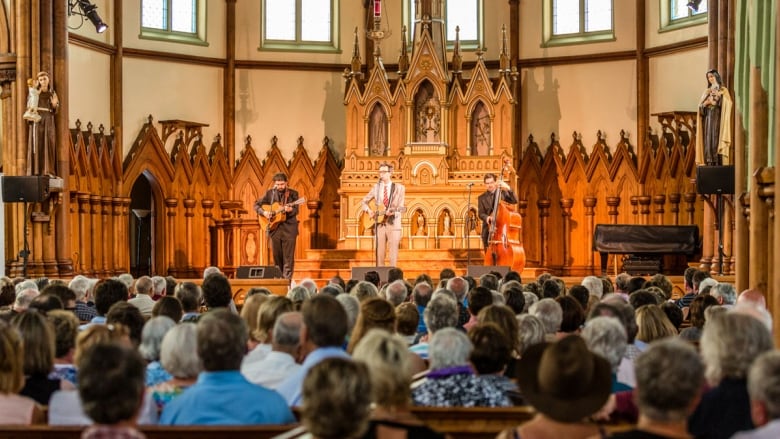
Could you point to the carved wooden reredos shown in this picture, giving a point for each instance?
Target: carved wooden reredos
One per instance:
(441, 132)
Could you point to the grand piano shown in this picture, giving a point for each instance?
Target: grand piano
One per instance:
(647, 245)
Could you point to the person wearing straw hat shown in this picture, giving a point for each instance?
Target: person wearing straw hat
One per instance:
(565, 383)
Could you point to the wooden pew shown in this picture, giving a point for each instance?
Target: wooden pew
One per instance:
(473, 422)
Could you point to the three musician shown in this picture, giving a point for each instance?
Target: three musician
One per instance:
(487, 202)
(285, 233)
(388, 212)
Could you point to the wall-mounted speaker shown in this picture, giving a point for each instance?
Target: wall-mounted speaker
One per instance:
(25, 188)
(715, 180)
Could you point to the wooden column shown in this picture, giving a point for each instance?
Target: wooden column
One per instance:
(758, 159)
(169, 241)
(61, 82)
(644, 209)
(674, 200)
(590, 203)
(634, 200)
(566, 205)
(659, 201)
(229, 102)
(120, 241)
(741, 223)
(84, 231)
(207, 219)
(189, 205)
(612, 209)
(642, 78)
(117, 77)
(96, 234)
(544, 220)
(110, 235)
(774, 299)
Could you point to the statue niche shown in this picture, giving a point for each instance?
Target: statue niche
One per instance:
(480, 130)
(427, 114)
(377, 131)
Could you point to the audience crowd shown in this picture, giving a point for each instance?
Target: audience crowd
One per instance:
(353, 358)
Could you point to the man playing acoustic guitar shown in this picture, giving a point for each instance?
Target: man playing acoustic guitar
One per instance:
(389, 201)
(279, 207)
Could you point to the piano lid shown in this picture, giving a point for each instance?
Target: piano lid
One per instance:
(636, 238)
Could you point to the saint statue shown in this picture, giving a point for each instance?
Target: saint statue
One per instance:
(713, 123)
(42, 145)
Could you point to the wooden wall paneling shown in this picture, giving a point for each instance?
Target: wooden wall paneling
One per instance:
(301, 178)
(529, 193)
(574, 187)
(327, 171)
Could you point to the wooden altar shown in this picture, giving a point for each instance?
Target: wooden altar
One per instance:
(440, 127)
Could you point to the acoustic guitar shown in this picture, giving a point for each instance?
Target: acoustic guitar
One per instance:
(382, 215)
(278, 215)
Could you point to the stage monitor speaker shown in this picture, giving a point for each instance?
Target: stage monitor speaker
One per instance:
(715, 179)
(25, 188)
(359, 273)
(476, 271)
(258, 272)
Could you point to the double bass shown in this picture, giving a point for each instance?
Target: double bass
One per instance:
(505, 234)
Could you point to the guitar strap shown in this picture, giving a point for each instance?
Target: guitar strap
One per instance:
(390, 197)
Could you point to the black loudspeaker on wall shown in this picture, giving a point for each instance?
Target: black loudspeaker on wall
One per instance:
(258, 272)
(715, 179)
(476, 271)
(360, 272)
(25, 188)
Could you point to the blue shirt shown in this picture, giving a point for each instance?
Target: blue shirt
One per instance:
(226, 398)
(291, 387)
(421, 328)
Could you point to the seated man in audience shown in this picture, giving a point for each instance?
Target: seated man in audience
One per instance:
(144, 290)
(107, 293)
(85, 308)
(111, 387)
(322, 336)
(279, 363)
(764, 390)
(729, 344)
(441, 312)
(222, 396)
(190, 296)
(669, 378)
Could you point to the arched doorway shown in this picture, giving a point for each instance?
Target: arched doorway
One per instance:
(141, 228)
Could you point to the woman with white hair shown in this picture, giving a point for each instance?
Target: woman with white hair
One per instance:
(151, 340)
(451, 381)
(605, 336)
(179, 357)
(388, 361)
(729, 344)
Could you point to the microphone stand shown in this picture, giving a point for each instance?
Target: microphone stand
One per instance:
(468, 227)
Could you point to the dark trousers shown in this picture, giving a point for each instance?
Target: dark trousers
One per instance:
(283, 248)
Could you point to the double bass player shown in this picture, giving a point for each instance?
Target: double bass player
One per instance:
(487, 203)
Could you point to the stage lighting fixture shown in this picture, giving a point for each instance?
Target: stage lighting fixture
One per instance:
(89, 10)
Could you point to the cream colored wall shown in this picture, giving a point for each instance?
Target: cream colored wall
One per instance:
(673, 88)
(289, 105)
(90, 88)
(170, 91)
(583, 98)
(276, 102)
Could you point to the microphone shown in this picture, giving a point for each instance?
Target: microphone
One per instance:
(469, 184)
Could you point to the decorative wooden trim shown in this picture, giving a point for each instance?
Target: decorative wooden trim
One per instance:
(683, 46)
(625, 55)
(173, 57)
(88, 43)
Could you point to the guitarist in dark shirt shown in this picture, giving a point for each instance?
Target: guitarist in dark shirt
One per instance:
(283, 230)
